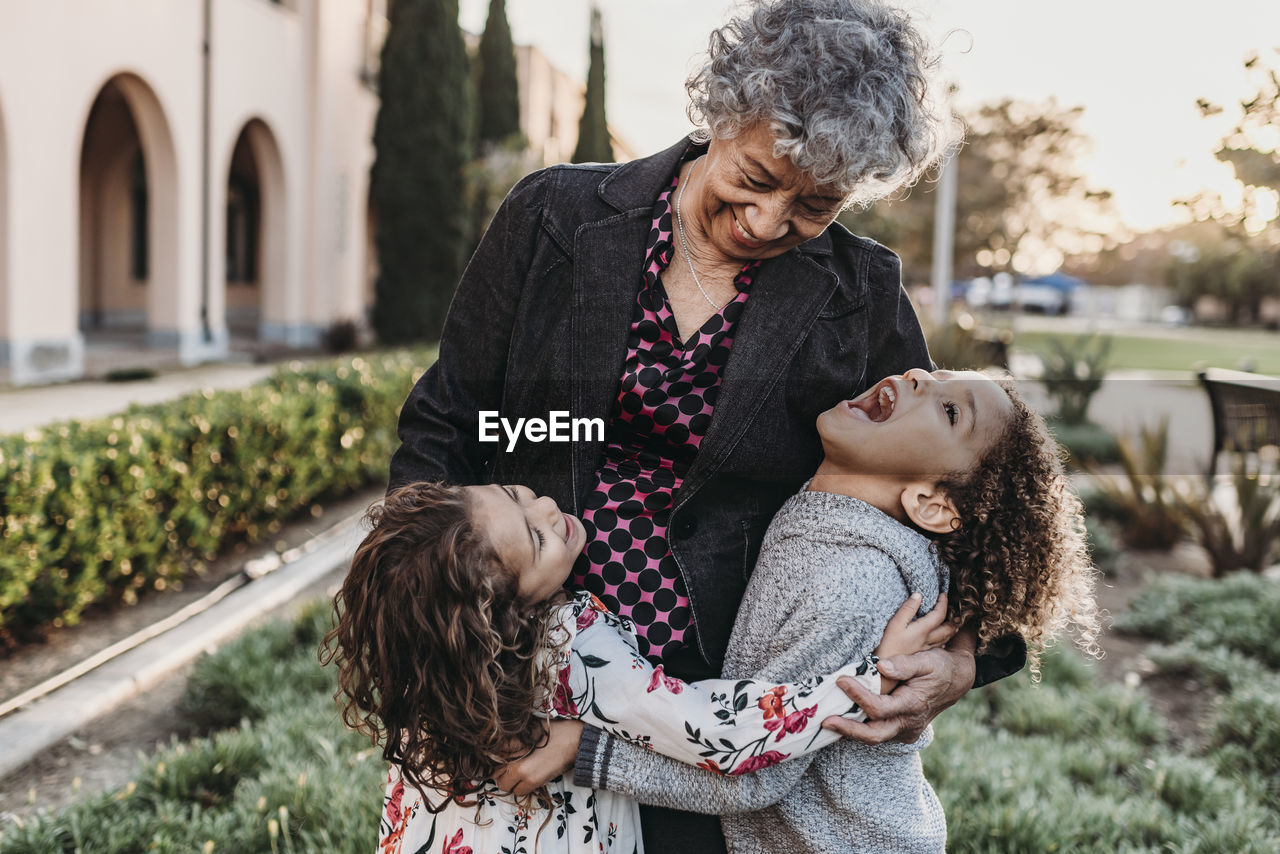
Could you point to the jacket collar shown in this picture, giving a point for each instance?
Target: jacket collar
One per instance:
(636, 184)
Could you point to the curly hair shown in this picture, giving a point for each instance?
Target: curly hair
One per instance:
(438, 660)
(846, 86)
(1018, 558)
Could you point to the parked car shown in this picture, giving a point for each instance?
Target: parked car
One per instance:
(1045, 299)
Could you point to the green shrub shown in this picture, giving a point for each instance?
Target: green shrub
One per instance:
(1086, 443)
(961, 345)
(1240, 613)
(1144, 501)
(100, 509)
(1246, 535)
(1103, 546)
(1073, 373)
(240, 685)
(1250, 717)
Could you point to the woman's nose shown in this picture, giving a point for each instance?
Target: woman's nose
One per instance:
(767, 219)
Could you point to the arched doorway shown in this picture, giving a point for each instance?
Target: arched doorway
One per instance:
(254, 240)
(128, 216)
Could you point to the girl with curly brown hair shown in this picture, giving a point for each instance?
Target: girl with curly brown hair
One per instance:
(456, 642)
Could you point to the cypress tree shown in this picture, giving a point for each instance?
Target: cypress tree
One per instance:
(499, 92)
(593, 129)
(422, 140)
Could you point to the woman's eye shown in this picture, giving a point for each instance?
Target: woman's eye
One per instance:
(953, 412)
(756, 185)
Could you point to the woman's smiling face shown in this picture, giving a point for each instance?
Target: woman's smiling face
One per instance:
(753, 205)
(919, 425)
(532, 538)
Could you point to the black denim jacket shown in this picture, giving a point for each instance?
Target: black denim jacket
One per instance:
(539, 323)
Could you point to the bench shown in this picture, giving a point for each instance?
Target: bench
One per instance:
(1246, 411)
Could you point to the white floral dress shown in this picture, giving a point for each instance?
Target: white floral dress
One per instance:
(725, 726)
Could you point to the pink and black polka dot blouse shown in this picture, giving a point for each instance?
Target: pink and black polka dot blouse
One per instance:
(664, 407)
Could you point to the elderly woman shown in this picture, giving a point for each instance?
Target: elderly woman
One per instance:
(703, 304)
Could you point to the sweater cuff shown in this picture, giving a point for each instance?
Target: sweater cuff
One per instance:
(595, 748)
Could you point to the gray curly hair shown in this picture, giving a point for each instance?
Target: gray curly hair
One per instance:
(845, 85)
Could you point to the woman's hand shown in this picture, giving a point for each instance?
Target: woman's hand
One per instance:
(543, 764)
(932, 680)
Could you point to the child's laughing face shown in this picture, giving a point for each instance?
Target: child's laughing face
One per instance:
(916, 426)
(532, 538)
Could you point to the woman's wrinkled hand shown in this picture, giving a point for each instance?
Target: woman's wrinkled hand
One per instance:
(931, 681)
(543, 764)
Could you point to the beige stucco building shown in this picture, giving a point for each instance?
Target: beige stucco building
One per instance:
(177, 176)
(151, 187)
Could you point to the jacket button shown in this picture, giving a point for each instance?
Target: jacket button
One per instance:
(686, 526)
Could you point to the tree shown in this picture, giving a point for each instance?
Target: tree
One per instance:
(1251, 150)
(498, 89)
(1239, 262)
(593, 129)
(1022, 202)
(1235, 269)
(422, 141)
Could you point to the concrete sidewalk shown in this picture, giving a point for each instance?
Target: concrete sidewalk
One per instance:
(24, 408)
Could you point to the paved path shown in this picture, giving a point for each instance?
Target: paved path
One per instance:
(24, 408)
(1130, 400)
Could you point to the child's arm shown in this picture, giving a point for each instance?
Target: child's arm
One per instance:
(728, 726)
(820, 627)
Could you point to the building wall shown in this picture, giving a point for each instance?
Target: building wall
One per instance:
(290, 73)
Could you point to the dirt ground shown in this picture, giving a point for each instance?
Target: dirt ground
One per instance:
(105, 754)
(1182, 702)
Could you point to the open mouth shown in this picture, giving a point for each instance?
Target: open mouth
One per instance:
(878, 403)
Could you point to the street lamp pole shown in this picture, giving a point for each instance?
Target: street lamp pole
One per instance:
(944, 235)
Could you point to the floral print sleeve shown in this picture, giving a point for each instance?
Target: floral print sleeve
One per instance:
(728, 726)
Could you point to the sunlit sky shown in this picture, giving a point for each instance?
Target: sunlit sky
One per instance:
(1137, 66)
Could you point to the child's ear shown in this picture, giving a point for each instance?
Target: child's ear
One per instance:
(929, 508)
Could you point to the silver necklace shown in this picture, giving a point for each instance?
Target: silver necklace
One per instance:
(684, 244)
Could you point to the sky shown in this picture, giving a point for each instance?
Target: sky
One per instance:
(1136, 66)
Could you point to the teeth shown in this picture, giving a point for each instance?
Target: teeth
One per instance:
(887, 398)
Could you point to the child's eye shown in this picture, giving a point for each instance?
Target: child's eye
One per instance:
(953, 412)
(542, 541)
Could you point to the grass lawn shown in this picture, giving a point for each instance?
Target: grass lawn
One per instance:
(1176, 349)
(1069, 764)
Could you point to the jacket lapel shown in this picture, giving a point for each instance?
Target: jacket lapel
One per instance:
(608, 259)
(785, 301)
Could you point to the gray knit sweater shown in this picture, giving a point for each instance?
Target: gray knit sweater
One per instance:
(832, 571)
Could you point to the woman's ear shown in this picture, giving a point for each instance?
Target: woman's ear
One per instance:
(929, 508)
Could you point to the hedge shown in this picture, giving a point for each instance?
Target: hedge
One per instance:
(96, 510)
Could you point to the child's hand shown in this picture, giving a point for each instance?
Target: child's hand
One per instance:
(543, 764)
(906, 634)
